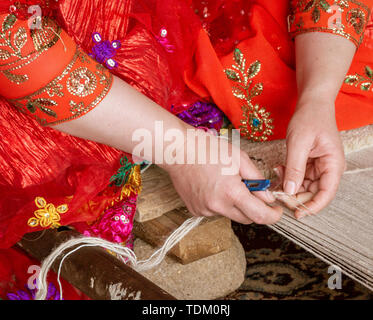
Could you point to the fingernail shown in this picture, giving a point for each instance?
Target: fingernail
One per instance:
(290, 187)
(277, 171)
(270, 196)
(301, 215)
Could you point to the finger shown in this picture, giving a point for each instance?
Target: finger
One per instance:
(248, 171)
(296, 160)
(314, 187)
(296, 201)
(328, 186)
(226, 209)
(254, 208)
(306, 184)
(279, 171)
(236, 215)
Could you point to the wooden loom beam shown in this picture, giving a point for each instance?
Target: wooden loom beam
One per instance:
(92, 269)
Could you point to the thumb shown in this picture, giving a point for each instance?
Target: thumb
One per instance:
(296, 163)
(250, 172)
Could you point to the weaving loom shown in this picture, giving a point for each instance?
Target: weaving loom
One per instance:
(342, 234)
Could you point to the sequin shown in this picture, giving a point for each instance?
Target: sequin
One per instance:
(104, 51)
(306, 16)
(357, 19)
(14, 57)
(364, 82)
(82, 82)
(116, 223)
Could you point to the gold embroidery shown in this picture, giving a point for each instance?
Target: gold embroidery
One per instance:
(316, 6)
(47, 36)
(54, 88)
(15, 78)
(47, 215)
(356, 17)
(255, 124)
(43, 39)
(81, 82)
(104, 80)
(42, 104)
(364, 81)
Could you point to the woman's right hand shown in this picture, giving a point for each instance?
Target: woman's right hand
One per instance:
(207, 192)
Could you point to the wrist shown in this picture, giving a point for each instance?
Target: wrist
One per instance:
(316, 100)
(173, 149)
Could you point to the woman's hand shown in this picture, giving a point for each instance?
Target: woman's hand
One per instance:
(207, 192)
(315, 159)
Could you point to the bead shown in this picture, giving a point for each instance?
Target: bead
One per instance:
(110, 63)
(96, 37)
(256, 122)
(163, 33)
(116, 44)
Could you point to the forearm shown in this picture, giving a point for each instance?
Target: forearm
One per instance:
(123, 111)
(322, 61)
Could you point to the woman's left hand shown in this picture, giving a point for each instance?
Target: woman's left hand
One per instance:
(315, 159)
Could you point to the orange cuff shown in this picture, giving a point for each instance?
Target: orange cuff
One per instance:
(347, 18)
(45, 75)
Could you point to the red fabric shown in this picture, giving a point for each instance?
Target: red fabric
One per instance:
(272, 46)
(142, 61)
(41, 162)
(21, 7)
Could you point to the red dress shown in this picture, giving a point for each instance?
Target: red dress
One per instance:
(238, 54)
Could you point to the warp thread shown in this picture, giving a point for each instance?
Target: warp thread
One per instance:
(363, 170)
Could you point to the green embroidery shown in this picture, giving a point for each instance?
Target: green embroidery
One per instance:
(255, 123)
(364, 81)
(122, 175)
(316, 6)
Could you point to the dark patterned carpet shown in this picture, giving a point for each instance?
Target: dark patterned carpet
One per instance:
(277, 269)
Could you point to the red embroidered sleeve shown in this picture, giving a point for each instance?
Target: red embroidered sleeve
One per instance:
(45, 75)
(347, 18)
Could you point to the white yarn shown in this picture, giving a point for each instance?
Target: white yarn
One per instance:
(124, 253)
(353, 171)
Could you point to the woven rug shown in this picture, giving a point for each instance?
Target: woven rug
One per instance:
(279, 268)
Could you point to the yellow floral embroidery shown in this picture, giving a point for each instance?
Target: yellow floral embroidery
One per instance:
(47, 215)
(255, 123)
